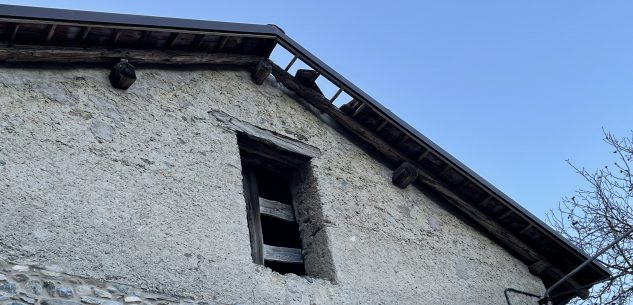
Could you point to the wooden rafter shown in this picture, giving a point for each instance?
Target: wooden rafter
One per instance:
(382, 125)
(172, 40)
(14, 31)
(143, 38)
(423, 155)
(359, 109)
(221, 44)
(197, 41)
(404, 138)
(50, 33)
(116, 35)
(335, 96)
(84, 33)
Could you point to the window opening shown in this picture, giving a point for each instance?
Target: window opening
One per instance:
(274, 232)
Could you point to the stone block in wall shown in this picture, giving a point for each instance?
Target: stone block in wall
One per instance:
(26, 285)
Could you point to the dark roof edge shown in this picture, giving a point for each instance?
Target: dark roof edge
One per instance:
(115, 19)
(273, 32)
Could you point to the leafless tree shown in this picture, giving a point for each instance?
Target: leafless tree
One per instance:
(600, 212)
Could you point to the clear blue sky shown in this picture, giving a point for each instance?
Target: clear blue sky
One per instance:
(510, 88)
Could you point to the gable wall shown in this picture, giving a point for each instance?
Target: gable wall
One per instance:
(158, 202)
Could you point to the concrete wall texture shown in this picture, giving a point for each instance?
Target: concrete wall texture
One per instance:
(144, 188)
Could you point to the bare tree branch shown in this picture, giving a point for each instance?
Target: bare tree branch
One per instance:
(597, 214)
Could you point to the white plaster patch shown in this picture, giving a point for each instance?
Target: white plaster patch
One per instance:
(102, 131)
(461, 267)
(20, 268)
(106, 107)
(434, 223)
(54, 268)
(132, 299)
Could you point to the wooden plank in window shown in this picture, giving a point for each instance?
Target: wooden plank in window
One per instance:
(276, 209)
(252, 212)
(283, 254)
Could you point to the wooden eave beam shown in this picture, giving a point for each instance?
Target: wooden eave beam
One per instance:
(321, 103)
(423, 155)
(84, 33)
(23, 53)
(143, 38)
(13, 31)
(116, 35)
(51, 32)
(197, 41)
(382, 125)
(404, 138)
(506, 214)
(261, 72)
(338, 92)
(538, 267)
(525, 229)
(359, 109)
(543, 267)
(485, 201)
(220, 45)
(404, 175)
(172, 40)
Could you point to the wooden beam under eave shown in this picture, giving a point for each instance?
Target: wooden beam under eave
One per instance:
(359, 109)
(23, 53)
(13, 31)
(423, 155)
(404, 175)
(197, 41)
(84, 34)
(116, 36)
(338, 92)
(143, 38)
(520, 248)
(51, 32)
(539, 267)
(220, 45)
(543, 267)
(172, 40)
(261, 72)
(404, 138)
(122, 75)
(525, 229)
(308, 78)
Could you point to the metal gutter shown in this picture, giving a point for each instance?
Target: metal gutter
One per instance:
(64, 16)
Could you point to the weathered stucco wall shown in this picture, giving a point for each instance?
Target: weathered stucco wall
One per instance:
(143, 187)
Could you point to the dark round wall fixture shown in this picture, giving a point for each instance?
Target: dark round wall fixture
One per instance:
(122, 75)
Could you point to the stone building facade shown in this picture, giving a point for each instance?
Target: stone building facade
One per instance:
(138, 196)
